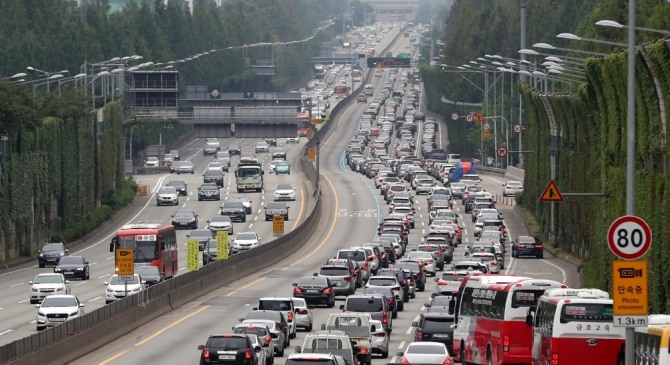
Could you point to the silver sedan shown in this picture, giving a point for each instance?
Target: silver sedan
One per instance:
(380, 339)
(303, 314)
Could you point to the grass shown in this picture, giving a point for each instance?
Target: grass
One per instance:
(14, 260)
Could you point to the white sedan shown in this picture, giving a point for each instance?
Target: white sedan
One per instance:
(151, 162)
(245, 241)
(428, 260)
(426, 352)
(284, 192)
(119, 289)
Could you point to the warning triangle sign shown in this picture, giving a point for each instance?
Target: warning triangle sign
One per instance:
(551, 193)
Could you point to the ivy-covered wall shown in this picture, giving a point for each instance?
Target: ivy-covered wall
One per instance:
(590, 152)
(57, 174)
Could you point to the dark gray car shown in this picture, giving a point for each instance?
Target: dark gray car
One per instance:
(202, 235)
(150, 274)
(213, 176)
(276, 208)
(235, 210)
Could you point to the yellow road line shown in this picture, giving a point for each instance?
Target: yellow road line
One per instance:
(330, 231)
(244, 287)
(114, 357)
(182, 319)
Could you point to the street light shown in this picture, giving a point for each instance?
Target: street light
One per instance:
(47, 73)
(613, 24)
(549, 46)
(20, 74)
(575, 37)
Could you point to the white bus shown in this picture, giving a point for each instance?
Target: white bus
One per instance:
(576, 326)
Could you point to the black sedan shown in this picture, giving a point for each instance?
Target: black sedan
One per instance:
(73, 266)
(235, 210)
(209, 192)
(315, 289)
(180, 185)
(150, 274)
(276, 208)
(185, 219)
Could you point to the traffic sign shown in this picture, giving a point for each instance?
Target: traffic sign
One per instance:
(125, 262)
(501, 151)
(551, 193)
(518, 128)
(222, 247)
(192, 255)
(311, 154)
(487, 134)
(316, 121)
(487, 126)
(468, 118)
(310, 134)
(278, 224)
(630, 293)
(126, 277)
(629, 237)
(454, 116)
(479, 117)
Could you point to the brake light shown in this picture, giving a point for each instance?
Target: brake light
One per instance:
(363, 350)
(268, 339)
(538, 246)
(303, 312)
(494, 263)
(385, 319)
(380, 334)
(448, 361)
(205, 353)
(248, 355)
(404, 281)
(327, 291)
(554, 359)
(347, 278)
(290, 316)
(297, 291)
(441, 282)
(373, 257)
(505, 343)
(404, 361)
(367, 266)
(389, 300)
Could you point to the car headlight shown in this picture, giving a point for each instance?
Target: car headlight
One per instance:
(62, 254)
(80, 269)
(109, 290)
(74, 313)
(57, 270)
(39, 313)
(192, 220)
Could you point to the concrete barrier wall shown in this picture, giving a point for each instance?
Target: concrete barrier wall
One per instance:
(514, 173)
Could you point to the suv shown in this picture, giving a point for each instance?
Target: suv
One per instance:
(359, 256)
(51, 253)
(276, 335)
(328, 342)
(527, 246)
(264, 336)
(312, 359)
(340, 276)
(234, 349)
(436, 327)
(375, 305)
(235, 210)
(283, 305)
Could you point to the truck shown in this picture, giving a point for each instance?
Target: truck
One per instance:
(329, 342)
(249, 175)
(357, 326)
(461, 169)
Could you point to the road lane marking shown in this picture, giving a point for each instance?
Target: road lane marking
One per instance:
(300, 212)
(114, 357)
(103, 276)
(409, 330)
(162, 330)
(402, 345)
(81, 283)
(17, 284)
(244, 287)
(94, 299)
(23, 301)
(565, 276)
(6, 332)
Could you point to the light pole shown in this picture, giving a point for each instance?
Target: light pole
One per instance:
(575, 37)
(16, 76)
(132, 166)
(549, 46)
(47, 73)
(631, 27)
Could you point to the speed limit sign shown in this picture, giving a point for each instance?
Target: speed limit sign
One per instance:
(629, 237)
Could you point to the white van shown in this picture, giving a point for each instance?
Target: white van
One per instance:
(453, 158)
(369, 90)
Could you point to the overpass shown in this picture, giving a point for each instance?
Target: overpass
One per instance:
(389, 10)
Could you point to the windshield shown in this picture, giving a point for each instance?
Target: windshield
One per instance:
(334, 271)
(147, 270)
(382, 281)
(115, 280)
(364, 305)
(69, 260)
(227, 343)
(245, 236)
(353, 255)
(52, 247)
(49, 279)
(418, 348)
(59, 302)
(167, 191)
(248, 172)
(437, 324)
(284, 187)
(275, 305)
(251, 330)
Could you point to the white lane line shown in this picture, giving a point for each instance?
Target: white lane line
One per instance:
(6, 332)
(93, 263)
(94, 299)
(409, 330)
(82, 283)
(17, 284)
(109, 258)
(565, 277)
(402, 345)
(251, 225)
(32, 322)
(23, 301)
(103, 276)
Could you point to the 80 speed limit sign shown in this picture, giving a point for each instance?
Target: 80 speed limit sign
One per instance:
(629, 237)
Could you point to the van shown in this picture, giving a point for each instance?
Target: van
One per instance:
(369, 90)
(374, 304)
(361, 98)
(328, 342)
(283, 305)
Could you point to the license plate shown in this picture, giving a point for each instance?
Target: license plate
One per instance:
(250, 186)
(57, 319)
(312, 291)
(226, 357)
(441, 335)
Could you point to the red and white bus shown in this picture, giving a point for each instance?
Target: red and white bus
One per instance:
(152, 244)
(303, 119)
(341, 90)
(492, 311)
(576, 326)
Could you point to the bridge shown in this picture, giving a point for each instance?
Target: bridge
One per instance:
(389, 10)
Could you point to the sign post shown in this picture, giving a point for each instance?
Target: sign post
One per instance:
(125, 261)
(278, 225)
(192, 255)
(222, 245)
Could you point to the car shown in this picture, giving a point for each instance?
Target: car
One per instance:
(175, 154)
(435, 249)
(390, 282)
(303, 314)
(73, 266)
(333, 342)
(56, 309)
(51, 253)
(233, 349)
(261, 354)
(359, 256)
(527, 246)
(262, 147)
(402, 277)
(151, 163)
(150, 274)
(234, 149)
(380, 339)
(209, 191)
(182, 167)
(179, 185)
(213, 176)
(282, 167)
(263, 334)
(340, 276)
(223, 157)
(245, 241)
(441, 303)
(313, 359)
(220, 223)
(283, 305)
(315, 289)
(418, 272)
(234, 209)
(168, 159)
(470, 265)
(167, 195)
(200, 235)
(357, 326)
(279, 153)
(215, 165)
(119, 289)
(512, 187)
(373, 304)
(435, 327)
(361, 98)
(245, 202)
(212, 145)
(46, 284)
(274, 162)
(428, 259)
(392, 299)
(271, 141)
(426, 352)
(293, 139)
(277, 336)
(185, 219)
(284, 192)
(276, 208)
(279, 319)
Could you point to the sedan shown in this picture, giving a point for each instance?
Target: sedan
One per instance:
(315, 289)
(57, 309)
(245, 241)
(180, 185)
(209, 192)
(512, 187)
(213, 176)
(73, 266)
(276, 208)
(245, 202)
(185, 219)
(220, 223)
(151, 162)
(167, 195)
(182, 167)
(426, 352)
(380, 339)
(119, 289)
(284, 192)
(150, 274)
(303, 314)
(282, 167)
(262, 147)
(273, 163)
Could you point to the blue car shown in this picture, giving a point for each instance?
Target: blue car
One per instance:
(283, 168)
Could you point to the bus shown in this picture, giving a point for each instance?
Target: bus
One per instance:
(575, 326)
(341, 90)
(356, 75)
(492, 311)
(249, 175)
(153, 245)
(652, 343)
(303, 127)
(319, 71)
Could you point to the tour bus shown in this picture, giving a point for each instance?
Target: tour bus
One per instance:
(249, 175)
(152, 243)
(492, 311)
(341, 90)
(575, 326)
(652, 343)
(319, 71)
(303, 119)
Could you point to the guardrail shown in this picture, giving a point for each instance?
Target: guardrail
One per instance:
(79, 336)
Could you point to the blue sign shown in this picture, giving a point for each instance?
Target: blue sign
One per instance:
(357, 64)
